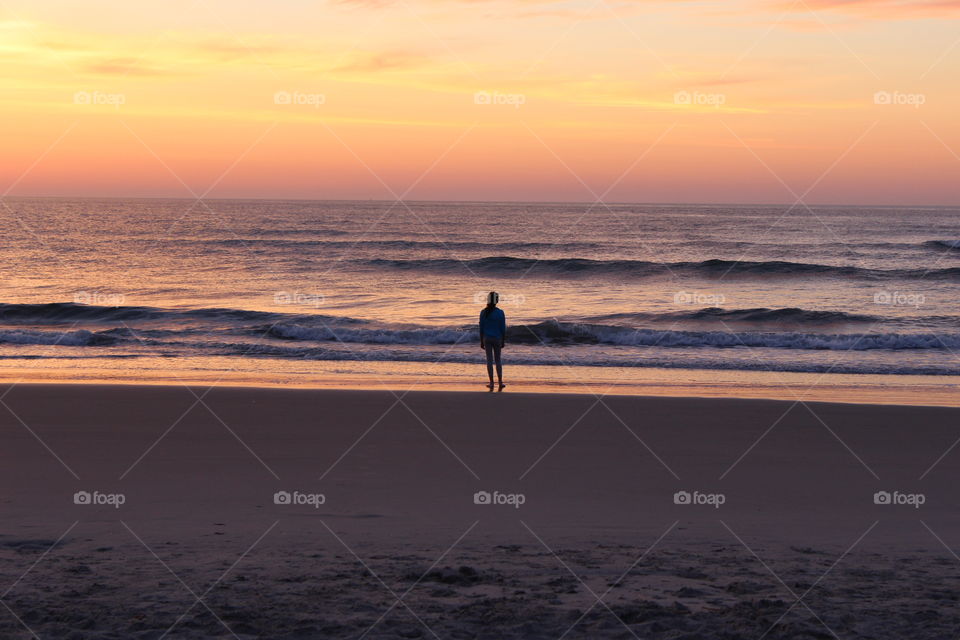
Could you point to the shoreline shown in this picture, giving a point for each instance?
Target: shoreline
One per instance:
(854, 396)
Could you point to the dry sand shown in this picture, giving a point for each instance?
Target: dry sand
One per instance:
(598, 547)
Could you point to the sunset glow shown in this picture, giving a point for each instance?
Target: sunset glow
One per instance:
(740, 101)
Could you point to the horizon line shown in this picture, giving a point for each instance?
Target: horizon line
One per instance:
(487, 202)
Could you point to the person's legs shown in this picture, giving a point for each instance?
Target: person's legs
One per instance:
(496, 355)
(490, 349)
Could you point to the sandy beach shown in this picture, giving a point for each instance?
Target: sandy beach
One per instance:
(149, 512)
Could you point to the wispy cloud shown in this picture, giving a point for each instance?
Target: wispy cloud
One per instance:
(880, 9)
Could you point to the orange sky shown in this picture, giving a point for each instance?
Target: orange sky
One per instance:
(831, 101)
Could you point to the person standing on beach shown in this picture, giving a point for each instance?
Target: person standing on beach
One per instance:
(493, 333)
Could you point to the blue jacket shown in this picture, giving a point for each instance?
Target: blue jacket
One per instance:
(493, 324)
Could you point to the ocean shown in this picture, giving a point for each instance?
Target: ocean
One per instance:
(379, 293)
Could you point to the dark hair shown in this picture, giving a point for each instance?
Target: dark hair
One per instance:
(491, 303)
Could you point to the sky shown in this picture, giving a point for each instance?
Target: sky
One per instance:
(740, 101)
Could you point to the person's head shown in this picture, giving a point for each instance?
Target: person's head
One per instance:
(492, 299)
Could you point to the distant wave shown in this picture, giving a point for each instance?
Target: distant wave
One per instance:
(760, 315)
(79, 338)
(297, 231)
(943, 244)
(641, 268)
(69, 312)
(373, 336)
(402, 244)
(325, 240)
